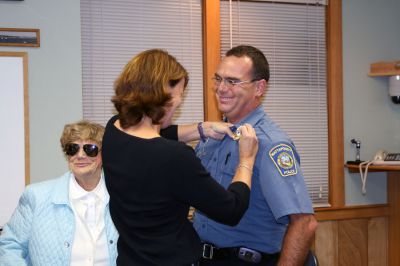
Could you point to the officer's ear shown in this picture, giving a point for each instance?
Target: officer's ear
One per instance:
(261, 87)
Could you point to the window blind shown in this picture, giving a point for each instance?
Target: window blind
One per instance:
(114, 31)
(293, 38)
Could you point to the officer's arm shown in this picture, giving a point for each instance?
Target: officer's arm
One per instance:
(297, 241)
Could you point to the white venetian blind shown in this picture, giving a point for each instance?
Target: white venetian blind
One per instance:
(293, 38)
(114, 31)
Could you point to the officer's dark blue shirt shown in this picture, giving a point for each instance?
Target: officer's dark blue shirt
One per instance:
(278, 187)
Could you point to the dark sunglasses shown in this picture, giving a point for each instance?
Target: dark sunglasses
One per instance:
(91, 150)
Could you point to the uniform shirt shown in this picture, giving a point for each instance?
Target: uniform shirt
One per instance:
(90, 243)
(278, 187)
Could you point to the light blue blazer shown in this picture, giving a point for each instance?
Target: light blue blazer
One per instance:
(41, 229)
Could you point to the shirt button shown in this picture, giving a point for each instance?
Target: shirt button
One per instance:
(111, 241)
(66, 244)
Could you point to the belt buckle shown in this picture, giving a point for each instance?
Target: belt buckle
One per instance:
(208, 251)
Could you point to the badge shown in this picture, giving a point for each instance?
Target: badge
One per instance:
(236, 132)
(283, 158)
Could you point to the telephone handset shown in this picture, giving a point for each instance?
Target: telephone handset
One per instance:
(382, 157)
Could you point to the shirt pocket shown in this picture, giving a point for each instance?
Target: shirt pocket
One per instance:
(228, 168)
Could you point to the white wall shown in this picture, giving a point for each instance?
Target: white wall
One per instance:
(370, 33)
(55, 90)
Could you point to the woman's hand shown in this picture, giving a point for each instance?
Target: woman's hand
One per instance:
(248, 148)
(248, 145)
(217, 130)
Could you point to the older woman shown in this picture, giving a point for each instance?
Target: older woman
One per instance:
(65, 221)
(153, 181)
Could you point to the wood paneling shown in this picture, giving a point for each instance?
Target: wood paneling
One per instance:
(393, 188)
(326, 243)
(377, 242)
(352, 242)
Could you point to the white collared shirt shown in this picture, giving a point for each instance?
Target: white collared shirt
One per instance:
(89, 247)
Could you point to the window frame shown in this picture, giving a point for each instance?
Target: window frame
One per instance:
(211, 57)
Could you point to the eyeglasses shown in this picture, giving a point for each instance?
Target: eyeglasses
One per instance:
(91, 150)
(229, 82)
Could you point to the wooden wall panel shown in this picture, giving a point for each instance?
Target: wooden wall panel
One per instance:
(393, 189)
(353, 242)
(326, 243)
(377, 241)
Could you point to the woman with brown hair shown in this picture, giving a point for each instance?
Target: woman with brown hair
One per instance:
(152, 181)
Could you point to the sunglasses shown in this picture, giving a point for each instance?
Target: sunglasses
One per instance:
(91, 150)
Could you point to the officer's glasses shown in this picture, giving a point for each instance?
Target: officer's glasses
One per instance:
(230, 82)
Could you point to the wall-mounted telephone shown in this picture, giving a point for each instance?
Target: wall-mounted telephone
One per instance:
(382, 157)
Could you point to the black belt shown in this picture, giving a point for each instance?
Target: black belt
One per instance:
(211, 252)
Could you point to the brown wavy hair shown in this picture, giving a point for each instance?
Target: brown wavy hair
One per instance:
(140, 90)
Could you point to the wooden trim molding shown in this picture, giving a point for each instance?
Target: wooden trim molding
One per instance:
(384, 68)
(26, 120)
(352, 212)
(211, 55)
(335, 103)
(373, 168)
(25, 103)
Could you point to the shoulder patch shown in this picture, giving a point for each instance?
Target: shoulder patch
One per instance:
(283, 158)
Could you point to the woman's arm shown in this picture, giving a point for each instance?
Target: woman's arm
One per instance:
(193, 184)
(203, 130)
(15, 234)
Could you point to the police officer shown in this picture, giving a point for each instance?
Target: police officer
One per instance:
(279, 225)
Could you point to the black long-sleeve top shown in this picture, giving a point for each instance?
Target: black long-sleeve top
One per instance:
(152, 183)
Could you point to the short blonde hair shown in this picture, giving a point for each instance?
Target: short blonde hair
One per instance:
(82, 130)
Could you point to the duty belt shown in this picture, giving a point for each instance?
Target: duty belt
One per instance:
(211, 252)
